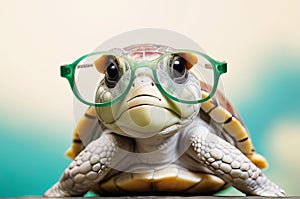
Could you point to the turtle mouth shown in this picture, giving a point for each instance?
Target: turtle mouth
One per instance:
(143, 95)
(139, 105)
(145, 100)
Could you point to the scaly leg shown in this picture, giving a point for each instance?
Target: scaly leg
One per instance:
(230, 164)
(88, 168)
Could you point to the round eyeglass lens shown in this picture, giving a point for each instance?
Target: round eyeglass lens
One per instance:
(184, 75)
(101, 78)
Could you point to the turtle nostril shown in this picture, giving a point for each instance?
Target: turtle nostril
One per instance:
(152, 84)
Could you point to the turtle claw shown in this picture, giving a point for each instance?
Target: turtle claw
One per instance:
(265, 187)
(277, 192)
(55, 192)
(280, 193)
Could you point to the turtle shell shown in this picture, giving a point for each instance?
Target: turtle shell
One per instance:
(221, 113)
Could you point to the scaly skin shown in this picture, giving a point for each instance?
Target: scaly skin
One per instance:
(86, 170)
(227, 162)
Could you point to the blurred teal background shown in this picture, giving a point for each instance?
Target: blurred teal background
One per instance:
(259, 40)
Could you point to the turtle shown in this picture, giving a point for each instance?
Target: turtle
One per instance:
(147, 143)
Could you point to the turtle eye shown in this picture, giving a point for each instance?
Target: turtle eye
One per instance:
(178, 68)
(112, 73)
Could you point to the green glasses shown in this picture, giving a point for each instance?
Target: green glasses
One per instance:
(181, 75)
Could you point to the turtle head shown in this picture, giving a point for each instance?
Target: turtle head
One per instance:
(141, 108)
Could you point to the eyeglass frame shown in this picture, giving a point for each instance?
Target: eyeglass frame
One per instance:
(68, 72)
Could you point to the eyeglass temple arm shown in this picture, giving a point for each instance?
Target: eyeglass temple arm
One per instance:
(221, 67)
(65, 70)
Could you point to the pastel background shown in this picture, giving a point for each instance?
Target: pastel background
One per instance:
(260, 40)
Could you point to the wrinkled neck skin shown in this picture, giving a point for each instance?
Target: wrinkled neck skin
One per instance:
(157, 142)
(171, 140)
(157, 151)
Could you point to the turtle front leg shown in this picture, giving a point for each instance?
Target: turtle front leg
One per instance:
(230, 164)
(88, 168)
